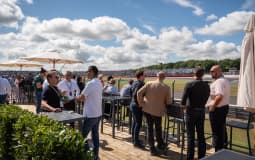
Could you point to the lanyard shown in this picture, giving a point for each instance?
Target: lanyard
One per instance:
(69, 86)
(57, 92)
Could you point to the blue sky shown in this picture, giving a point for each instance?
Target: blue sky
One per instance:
(117, 34)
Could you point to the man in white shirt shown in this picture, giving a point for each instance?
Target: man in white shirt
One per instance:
(92, 110)
(5, 89)
(69, 87)
(218, 103)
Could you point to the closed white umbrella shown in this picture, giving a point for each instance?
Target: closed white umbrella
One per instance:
(53, 57)
(246, 87)
(20, 63)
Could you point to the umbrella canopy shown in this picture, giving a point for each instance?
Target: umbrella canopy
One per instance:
(246, 88)
(53, 57)
(20, 63)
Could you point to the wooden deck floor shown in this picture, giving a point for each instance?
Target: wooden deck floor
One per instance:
(120, 147)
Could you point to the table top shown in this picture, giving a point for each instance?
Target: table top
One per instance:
(116, 98)
(64, 116)
(225, 154)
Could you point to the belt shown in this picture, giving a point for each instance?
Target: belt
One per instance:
(223, 106)
(196, 109)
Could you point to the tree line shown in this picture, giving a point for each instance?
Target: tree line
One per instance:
(226, 64)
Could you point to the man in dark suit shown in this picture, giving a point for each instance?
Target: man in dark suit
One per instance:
(196, 94)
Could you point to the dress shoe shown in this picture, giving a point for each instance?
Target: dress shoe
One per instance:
(162, 146)
(139, 145)
(154, 152)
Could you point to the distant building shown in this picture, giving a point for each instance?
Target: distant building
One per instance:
(233, 71)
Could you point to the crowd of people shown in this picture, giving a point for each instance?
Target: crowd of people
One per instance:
(151, 99)
(147, 99)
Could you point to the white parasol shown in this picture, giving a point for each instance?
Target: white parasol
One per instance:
(53, 57)
(20, 63)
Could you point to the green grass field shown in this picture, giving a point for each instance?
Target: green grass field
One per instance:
(239, 136)
(180, 83)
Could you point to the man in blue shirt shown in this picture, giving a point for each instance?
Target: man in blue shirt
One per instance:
(126, 89)
(136, 109)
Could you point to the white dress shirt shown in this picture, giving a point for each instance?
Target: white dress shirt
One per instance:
(5, 87)
(93, 99)
(220, 86)
(70, 87)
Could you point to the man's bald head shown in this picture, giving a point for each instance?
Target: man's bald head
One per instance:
(216, 71)
(161, 75)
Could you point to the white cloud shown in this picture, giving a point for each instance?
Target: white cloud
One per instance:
(10, 13)
(29, 1)
(99, 28)
(175, 41)
(211, 17)
(149, 28)
(248, 4)
(128, 48)
(232, 23)
(186, 3)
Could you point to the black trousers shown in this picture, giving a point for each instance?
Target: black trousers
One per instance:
(195, 118)
(70, 106)
(151, 120)
(218, 124)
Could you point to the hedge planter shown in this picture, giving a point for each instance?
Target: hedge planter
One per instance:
(26, 136)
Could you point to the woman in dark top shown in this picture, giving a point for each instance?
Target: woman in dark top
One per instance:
(51, 96)
(80, 83)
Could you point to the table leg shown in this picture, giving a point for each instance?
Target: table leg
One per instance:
(113, 119)
(178, 133)
(130, 120)
(80, 125)
(118, 114)
(102, 117)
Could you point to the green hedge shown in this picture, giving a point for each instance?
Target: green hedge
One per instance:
(25, 136)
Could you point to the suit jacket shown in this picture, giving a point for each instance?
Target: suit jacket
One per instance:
(153, 97)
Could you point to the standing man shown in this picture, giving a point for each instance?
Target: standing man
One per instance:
(92, 110)
(38, 84)
(218, 106)
(153, 98)
(5, 90)
(196, 93)
(71, 89)
(136, 110)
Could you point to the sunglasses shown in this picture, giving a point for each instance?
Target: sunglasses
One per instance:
(56, 77)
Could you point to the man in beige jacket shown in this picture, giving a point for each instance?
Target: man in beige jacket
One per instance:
(153, 97)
